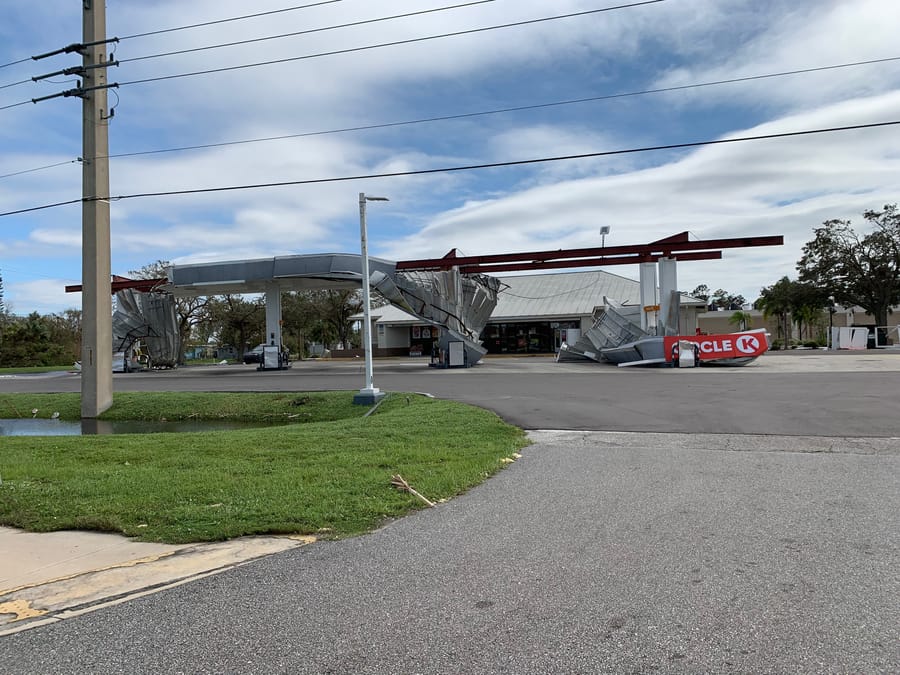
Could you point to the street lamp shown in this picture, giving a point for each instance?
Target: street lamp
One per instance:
(604, 230)
(369, 394)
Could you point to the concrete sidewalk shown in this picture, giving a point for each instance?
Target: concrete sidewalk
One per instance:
(47, 577)
(38, 557)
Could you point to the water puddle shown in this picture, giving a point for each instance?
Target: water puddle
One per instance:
(46, 427)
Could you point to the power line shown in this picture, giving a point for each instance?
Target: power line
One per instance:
(305, 32)
(40, 168)
(194, 25)
(234, 18)
(387, 44)
(496, 111)
(41, 208)
(468, 167)
(46, 78)
(275, 37)
(345, 51)
(15, 105)
(15, 84)
(14, 63)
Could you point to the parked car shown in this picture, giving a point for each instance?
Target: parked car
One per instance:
(255, 355)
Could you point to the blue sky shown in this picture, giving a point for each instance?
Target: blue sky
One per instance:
(785, 186)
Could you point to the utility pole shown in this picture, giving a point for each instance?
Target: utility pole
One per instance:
(96, 294)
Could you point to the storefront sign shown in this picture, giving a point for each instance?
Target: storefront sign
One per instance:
(734, 345)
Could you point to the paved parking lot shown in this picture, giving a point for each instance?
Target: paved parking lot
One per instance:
(812, 393)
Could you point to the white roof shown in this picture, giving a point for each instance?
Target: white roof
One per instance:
(548, 295)
(390, 314)
(565, 294)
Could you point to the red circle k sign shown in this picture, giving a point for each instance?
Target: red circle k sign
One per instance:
(747, 344)
(730, 346)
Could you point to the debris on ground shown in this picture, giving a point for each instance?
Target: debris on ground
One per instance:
(398, 482)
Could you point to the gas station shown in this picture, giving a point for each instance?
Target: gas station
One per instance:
(457, 295)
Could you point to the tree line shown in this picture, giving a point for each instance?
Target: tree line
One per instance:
(321, 317)
(841, 267)
(38, 340)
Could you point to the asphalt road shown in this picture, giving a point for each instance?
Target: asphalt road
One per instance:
(598, 551)
(812, 393)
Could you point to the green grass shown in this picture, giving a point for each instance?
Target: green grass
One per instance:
(329, 475)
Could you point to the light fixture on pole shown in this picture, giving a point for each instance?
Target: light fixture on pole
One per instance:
(604, 230)
(369, 394)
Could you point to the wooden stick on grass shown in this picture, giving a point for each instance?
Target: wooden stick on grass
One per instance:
(398, 482)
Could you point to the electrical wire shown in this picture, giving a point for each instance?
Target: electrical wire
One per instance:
(194, 25)
(40, 168)
(234, 18)
(15, 84)
(342, 51)
(14, 63)
(394, 43)
(468, 167)
(305, 32)
(14, 105)
(31, 80)
(275, 37)
(496, 111)
(41, 208)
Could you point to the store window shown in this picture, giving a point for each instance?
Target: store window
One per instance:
(538, 337)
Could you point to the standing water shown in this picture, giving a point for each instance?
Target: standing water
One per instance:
(48, 427)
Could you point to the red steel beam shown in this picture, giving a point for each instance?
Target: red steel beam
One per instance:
(120, 284)
(584, 262)
(664, 247)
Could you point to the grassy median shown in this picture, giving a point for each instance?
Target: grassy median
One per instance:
(326, 471)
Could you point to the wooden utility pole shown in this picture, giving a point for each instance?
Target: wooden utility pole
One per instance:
(96, 297)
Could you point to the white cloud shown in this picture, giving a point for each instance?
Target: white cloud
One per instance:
(42, 296)
(63, 238)
(806, 35)
(779, 186)
(784, 186)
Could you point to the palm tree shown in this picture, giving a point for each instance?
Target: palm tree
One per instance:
(802, 301)
(777, 300)
(808, 302)
(743, 320)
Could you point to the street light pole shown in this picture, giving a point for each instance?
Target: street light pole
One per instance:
(369, 394)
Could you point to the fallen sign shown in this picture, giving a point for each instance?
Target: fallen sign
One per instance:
(728, 346)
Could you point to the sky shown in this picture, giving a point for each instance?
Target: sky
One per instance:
(785, 186)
